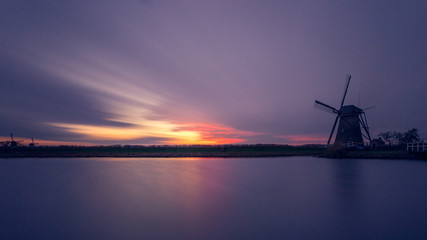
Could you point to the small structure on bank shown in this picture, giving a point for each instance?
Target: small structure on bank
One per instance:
(420, 146)
(32, 144)
(353, 125)
(11, 143)
(377, 143)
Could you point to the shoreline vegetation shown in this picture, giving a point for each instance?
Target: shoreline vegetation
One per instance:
(259, 150)
(223, 151)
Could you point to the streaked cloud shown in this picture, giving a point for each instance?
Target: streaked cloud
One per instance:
(172, 133)
(178, 72)
(124, 97)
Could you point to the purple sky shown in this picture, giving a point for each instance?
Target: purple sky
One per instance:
(159, 72)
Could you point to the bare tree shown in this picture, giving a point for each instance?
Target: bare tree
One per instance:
(398, 138)
(392, 138)
(410, 136)
(387, 137)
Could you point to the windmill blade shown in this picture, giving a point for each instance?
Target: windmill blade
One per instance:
(364, 122)
(325, 107)
(333, 129)
(346, 88)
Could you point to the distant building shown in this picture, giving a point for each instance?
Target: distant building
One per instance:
(377, 143)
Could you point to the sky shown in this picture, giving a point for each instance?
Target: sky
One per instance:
(207, 72)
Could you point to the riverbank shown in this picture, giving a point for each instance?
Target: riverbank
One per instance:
(225, 151)
(163, 151)
(373, 154)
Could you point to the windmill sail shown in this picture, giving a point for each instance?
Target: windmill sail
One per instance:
(345, 90)
(333, 129)
(325, 107)
(350, 124)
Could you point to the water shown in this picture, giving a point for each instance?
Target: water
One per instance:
(241, 198)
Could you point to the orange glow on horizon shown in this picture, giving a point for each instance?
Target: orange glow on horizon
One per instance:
(173, 133)
(304, 139)
(213, 134)
(41, 142)
(132, 98)
(196, 134)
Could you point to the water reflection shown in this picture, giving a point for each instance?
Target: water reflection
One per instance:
(254, 198)
(154, 198)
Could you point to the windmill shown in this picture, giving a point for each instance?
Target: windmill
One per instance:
(32, 144)
(13, 143)
(352, 121)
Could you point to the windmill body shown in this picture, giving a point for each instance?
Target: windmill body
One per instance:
(349, 126)
(352, 120)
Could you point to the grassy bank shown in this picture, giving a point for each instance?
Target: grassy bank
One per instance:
(163, 151)
(394, 153)
(259, 150)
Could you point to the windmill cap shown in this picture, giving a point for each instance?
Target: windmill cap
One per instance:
(350, 109)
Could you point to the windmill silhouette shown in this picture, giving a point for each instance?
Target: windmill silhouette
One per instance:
(32, 144)
(352, 121)
(11, 143)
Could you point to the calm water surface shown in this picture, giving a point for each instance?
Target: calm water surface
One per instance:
(238, 198)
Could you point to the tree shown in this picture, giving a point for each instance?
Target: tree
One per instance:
(386, 136)
(398, 138)
(410, 136)
(392, 138)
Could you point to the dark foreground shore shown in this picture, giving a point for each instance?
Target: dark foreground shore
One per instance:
(204, 151)
(373, 154)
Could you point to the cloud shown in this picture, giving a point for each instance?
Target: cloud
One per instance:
(205, 71)
(170, 133)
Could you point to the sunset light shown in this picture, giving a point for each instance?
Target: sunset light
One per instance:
(304, 139)
(199, 119)
(170, 133)
(148, 72)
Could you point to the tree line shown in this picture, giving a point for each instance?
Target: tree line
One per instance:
(399, 138)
